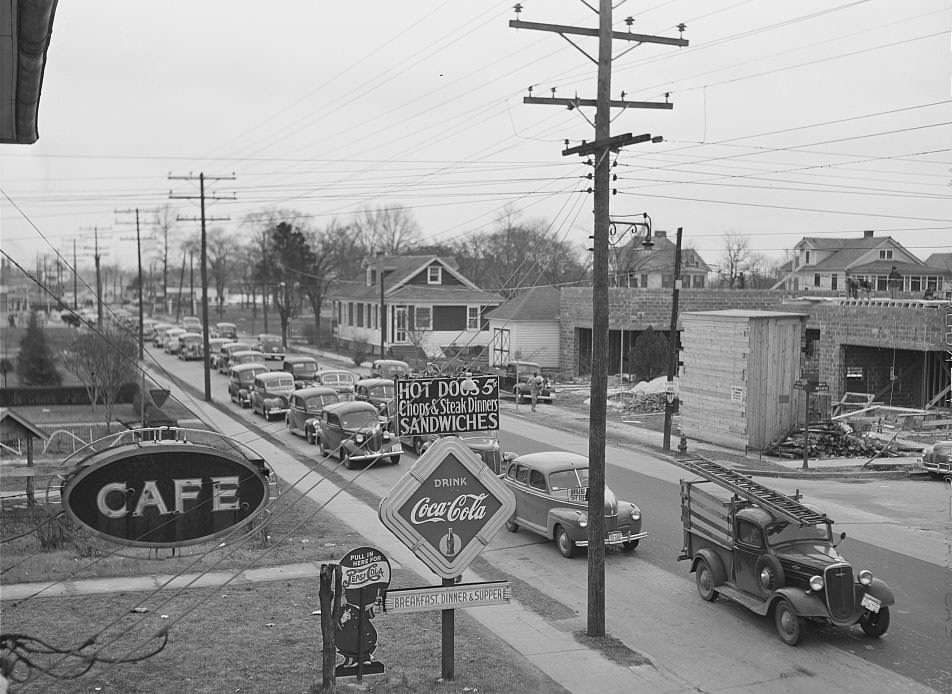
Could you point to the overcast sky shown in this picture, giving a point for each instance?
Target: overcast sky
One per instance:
(790, 119)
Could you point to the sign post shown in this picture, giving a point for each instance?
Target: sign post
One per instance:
(808, 386)
(365, 573)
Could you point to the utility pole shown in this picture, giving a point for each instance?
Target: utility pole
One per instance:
(672, 346)
(600, 149)
(139, 258)
(204, 259)
(96, 258)
(75, 278)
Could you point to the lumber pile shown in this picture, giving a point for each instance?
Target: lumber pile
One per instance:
(828, 439)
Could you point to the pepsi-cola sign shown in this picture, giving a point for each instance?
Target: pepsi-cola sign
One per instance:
(447, 507)
(164, 494)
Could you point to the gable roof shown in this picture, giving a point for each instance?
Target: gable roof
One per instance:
(660, 257)
(941, 261)
(535, 303)
(18, 421)
(846, 252)
(400, 269)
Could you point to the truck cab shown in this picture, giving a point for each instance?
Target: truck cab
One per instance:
(774, 555)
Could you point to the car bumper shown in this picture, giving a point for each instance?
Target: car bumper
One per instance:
(361, 455)
(614, 539)
(938, 467)
(276, 410)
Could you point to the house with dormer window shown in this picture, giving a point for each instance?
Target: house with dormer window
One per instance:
(412, 301)
(824, 264)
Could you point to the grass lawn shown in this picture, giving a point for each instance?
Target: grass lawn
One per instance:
(249, 637)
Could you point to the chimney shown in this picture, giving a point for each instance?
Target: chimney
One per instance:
(659, 234)
(868, 234)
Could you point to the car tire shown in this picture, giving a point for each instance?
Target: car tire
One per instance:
(512, 526)
(320, 448)
(875, 624)
(394, 460)
(310, 436)
(418, 447)
(704, 578)
(565, 544)
(631, 545)
(790, 625)
(768, 574)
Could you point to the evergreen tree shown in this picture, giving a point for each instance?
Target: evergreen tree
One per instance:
(35, 364)
(648, 358)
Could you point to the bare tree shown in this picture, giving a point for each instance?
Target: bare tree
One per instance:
(220, 249)
(165, 220)
(736, 256)
(102, 362)
(388, 229)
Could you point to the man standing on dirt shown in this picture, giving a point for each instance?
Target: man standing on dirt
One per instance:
(535, 388)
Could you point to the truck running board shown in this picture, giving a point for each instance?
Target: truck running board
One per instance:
(780, 505)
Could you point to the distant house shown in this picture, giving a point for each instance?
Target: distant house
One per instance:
(526, 328)
(823, 264)
(635, 266)
(426, 304)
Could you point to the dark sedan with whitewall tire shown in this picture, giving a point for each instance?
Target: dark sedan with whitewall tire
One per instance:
(304, 406)
(270, 393)
(551, 490)
(352, 431)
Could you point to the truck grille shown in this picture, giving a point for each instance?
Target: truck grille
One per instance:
(840, 593)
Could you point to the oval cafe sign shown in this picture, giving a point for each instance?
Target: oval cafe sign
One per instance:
(163, 494)
(447, 507)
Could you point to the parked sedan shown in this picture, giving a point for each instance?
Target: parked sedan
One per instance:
(379, 392)
(389, 368)
(192, 346)
(485, 444)
(302, 368)
(352, 431)
(270, 345)
(341, 380)
(240, 379)
(937, 458)
(225, 352)
(551, 490)
(229, 330)
(270, 392)
(249, 356)
(214, 349)
(305, 406)
(172, 343)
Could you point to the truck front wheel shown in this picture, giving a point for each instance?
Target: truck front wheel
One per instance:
(790, 625)
(704, 577)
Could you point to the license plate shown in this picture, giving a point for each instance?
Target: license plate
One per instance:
(870, 603)
(614, 537)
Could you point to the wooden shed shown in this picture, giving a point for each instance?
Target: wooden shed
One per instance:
(739, 369)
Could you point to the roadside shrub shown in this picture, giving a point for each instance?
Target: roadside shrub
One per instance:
(35, 364)
(361, 350)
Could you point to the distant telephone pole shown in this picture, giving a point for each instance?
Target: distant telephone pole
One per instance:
(204, 260)
(96, 259)
(139, 258)
(599, 149)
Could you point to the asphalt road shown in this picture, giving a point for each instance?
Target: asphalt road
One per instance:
(652, 604)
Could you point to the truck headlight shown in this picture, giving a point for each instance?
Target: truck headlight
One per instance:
(865, 577)
(816, 583)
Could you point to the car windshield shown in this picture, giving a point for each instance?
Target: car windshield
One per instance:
(478, 435)
(247, 376)
(381, 391)
(317, 402)
(282, 382)
(359, 420)
(778, 533)
(338, 378)
(391, 370)
(270, 340)
(304, 367)
(568, 479)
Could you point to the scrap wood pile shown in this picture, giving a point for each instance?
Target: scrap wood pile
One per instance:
(828, 439)
(641, 402)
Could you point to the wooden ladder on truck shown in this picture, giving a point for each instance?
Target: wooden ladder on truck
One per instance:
(786, 507)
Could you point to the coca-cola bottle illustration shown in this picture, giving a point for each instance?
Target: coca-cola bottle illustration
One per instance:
(449, 543)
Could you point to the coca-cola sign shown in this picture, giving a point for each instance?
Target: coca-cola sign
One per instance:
(447, 507)
(164, 494)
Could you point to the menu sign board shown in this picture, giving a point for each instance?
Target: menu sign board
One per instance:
(447, 405)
